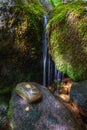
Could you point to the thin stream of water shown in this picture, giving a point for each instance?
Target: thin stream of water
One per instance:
(50, 73)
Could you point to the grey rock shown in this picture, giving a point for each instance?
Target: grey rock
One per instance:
(78, 94)
(47, 114)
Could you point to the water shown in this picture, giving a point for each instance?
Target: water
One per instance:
(50, 73)
(44, 50)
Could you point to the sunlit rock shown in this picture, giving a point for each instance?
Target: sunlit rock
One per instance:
(46, 4)
(64, 97)
(29, 92)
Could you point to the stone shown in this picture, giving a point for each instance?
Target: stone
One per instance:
(78, 94)
(64, 97)
(29, 92)
(47, 114)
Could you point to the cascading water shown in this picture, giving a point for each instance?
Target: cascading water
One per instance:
(50, 73)
(44, 50)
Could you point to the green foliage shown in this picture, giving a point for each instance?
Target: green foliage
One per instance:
(10, 114)
(57, 83)
(55, 2)
(67, 32)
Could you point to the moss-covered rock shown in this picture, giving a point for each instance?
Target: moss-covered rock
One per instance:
(67, 33)
(20, 43)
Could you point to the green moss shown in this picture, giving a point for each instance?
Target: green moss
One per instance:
(55, 2)
(67, 32)
(6, 89)
(10, 113)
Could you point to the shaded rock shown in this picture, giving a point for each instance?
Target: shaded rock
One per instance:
(4, 122)
(4, 102)
(48, 114)
(3, 116)
(79, 94)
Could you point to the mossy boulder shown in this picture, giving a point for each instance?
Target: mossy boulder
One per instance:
(20, 38)
(47, 114)
(67, 34)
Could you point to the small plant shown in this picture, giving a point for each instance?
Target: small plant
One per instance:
(57, 84)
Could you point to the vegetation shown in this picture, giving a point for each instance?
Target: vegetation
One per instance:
(55, 2)
(67, 32)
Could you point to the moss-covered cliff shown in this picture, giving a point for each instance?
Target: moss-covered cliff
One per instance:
(20, 43)
(67, 33)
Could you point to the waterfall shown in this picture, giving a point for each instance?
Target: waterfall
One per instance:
(50, 73)
(44, 51)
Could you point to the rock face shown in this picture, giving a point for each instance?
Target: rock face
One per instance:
(48, 114)
(21, 27)
(4, 101)
(46, 4)
(79, 94)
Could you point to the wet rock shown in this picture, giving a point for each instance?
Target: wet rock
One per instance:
(46, 4)
(47, 114)
(28, 92)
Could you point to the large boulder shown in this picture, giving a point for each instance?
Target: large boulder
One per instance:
(67, 35)
(21, 27)
(47, 114)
